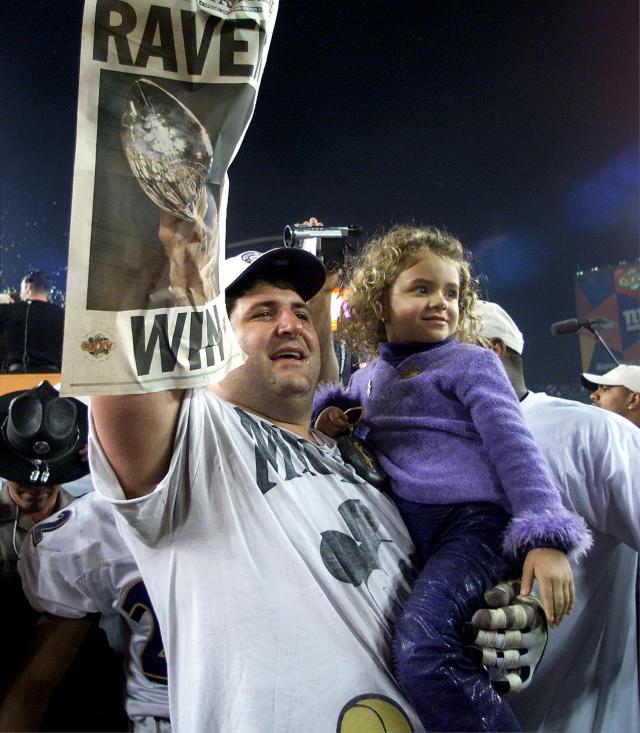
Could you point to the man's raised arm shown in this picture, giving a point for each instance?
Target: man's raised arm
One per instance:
(136, 433)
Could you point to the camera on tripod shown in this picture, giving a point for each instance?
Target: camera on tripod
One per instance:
(329, 244)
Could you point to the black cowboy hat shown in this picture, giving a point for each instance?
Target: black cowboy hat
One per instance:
(40, 436)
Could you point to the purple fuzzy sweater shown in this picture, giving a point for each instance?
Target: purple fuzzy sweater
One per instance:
(447, 428)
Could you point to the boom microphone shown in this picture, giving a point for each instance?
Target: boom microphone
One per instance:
(573, 325)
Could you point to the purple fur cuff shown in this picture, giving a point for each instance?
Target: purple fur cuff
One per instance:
(328, 395)
(561, 529)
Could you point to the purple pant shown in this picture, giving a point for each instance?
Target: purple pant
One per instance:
(461, 546)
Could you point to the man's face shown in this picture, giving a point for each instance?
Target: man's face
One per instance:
(273, 327)
(614, 399)
(33, 499)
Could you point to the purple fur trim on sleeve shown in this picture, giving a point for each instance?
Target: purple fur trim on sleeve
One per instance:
(331, 394)
(560, 529)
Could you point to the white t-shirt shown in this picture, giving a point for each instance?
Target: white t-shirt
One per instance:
(276, 574)
(75, 563)
(588, 678)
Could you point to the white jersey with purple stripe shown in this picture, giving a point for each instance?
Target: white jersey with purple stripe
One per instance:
(75, 563)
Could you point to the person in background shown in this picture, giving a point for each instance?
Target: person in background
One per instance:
(42, 446)
(32, 327)
(74, 566)
(32, 492)
(588, 681)
(617, 391)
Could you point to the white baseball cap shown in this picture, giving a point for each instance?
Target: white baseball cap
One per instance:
(303, 270)
(498, 324)
(624, 375)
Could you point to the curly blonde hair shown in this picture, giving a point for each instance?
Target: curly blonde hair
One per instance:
(374, 271)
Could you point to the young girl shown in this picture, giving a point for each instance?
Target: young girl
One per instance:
(465, 473)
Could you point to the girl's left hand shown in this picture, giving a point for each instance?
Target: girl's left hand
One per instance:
(332, 420)
(551, 569)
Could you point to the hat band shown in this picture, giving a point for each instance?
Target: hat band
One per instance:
(41, 471)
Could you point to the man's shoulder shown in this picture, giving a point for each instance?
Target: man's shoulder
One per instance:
(207, 397)
(89, 505)
(82, 523)
(46, 306)
(10, 310)
(203, 404)
(543, 405)
(544, 401)
(539, 407)
(49, 304)
(66, 498)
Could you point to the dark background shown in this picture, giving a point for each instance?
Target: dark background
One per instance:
(513, 124)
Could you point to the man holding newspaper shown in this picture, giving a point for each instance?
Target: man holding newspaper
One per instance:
(275, 570)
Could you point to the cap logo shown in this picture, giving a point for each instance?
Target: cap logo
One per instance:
(250, 257)
(41, 447)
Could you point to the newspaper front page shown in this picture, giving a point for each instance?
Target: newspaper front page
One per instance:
(167, 90)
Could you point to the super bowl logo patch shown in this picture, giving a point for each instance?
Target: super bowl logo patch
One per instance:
(97, 346)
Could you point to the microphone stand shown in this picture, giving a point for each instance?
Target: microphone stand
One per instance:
(594, 330)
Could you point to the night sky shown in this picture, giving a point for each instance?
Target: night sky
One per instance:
(512, 124)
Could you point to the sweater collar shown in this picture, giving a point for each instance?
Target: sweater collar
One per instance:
(394, 353)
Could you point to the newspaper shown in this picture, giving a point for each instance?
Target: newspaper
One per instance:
(167, 90)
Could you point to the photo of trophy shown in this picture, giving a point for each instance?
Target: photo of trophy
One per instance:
(170, 155)
(167, 148)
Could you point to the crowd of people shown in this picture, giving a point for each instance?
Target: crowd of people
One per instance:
(235, 555)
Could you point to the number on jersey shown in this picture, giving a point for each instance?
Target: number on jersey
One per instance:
(135, 603)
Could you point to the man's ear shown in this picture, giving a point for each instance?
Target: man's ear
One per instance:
(499, 346)
(634, 401)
